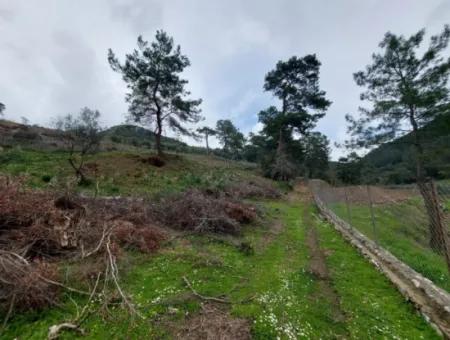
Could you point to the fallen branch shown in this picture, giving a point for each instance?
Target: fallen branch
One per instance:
(114, 274)
(55, 330)
(59, 284)
(202, 297)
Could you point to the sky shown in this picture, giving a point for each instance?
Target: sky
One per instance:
(53, 53)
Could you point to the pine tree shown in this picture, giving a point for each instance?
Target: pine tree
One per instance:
(206, 132)
(296, 83)
(157, 95)
(405, 89)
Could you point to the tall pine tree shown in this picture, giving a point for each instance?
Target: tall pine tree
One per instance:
(296, 83)
(157, 96)
(406, 88)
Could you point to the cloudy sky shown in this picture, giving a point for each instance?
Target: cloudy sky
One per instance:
(53, 52)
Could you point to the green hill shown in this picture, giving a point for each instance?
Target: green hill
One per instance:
(141, 137)
(119, 137)
(394, 162)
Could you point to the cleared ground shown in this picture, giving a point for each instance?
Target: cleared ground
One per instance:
(302, 281)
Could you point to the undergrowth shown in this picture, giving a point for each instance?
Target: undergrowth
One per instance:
(271, 287)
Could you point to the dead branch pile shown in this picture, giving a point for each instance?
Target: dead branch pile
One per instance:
(197, 211)
(37, 229)
(25, 285)
(252, 189)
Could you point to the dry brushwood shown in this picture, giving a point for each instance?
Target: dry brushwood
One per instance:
(194, 210)
(252, 189)
(37, 228)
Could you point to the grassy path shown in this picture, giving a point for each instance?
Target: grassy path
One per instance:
(274, 292)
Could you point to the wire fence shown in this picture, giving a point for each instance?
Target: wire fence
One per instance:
(412, 222)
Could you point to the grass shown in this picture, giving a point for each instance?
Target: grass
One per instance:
(283, 300)
(124, 173)
(401, 229)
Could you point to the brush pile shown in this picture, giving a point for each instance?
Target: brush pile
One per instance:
(252, 189)
(39, 229)
(198, 211)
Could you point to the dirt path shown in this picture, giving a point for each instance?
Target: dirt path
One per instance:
(317, 266)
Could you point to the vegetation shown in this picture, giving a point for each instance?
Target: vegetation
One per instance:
(206, 132)
(231, 138)
(200, 243)
(273, 287)
(82, 136)
(406, 88)
(134, 176)
(139, 137)
(296, 84)
(2, 108)
(157, 93)
(348, 169)
(394, 162)
(404, 237)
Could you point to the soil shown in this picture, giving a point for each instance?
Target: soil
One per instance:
(300, 193)
(318, 268)
(213, 322)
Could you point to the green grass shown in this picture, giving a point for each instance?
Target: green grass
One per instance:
(124, 173)
(401, 229)
(282, 299)
(373, 308)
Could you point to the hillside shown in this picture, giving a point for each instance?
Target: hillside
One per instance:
(394, 162)
(15, 134)
(119, 137)
(198, 247)
(141, 137)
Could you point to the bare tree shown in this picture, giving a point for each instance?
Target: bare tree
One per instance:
(82, 136)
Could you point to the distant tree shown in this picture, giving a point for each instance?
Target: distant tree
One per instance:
(231, 139)
(157, 94)
(317, 154)
(296, 83)
(206, 132)
(2, 108)
(82, 136)
(405, 89)
(24, 120)
(255, 148)
(348, 169)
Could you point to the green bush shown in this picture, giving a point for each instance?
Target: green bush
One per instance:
(46, 178)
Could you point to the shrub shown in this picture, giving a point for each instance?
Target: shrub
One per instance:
(116, 139)
(46, 178)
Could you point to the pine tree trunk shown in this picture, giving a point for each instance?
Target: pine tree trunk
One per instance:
(158, 135)
(437, 229)
(207, 145)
